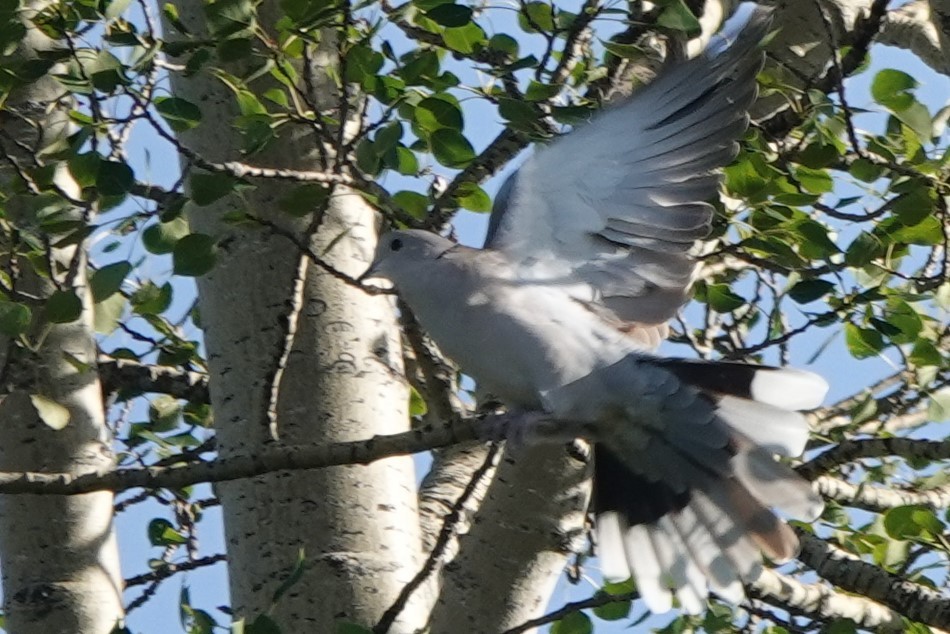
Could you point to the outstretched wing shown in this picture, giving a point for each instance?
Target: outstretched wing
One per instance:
(617, 204)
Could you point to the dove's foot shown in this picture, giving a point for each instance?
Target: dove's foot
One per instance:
(520, 429)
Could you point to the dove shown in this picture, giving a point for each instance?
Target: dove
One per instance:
(588, 256)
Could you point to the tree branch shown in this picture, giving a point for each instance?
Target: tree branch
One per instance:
(849, 573)
(878, 498)
(851, 450)
(818, 601)
(132, 379)
(278, 458)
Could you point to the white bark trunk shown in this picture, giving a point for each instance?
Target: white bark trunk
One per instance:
(510, 560)
(358, 526)
(59, 556)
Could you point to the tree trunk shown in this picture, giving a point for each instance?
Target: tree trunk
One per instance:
(356, 526)
(60, 559)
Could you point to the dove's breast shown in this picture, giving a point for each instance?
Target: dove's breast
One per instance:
(518, 339)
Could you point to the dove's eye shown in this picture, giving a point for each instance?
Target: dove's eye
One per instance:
(395, 245)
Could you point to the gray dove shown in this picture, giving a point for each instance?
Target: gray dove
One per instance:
(586, 260)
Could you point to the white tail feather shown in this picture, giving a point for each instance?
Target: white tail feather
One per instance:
(776, 484)
(788, 388)
(775, 430)
(646, 570)
(610, 549)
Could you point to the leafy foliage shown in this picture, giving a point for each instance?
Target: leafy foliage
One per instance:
(834, 236)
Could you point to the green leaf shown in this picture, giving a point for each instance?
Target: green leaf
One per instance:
(925, 353)
(504, 44)
(199, 414)
(406, 162)
(387, 138)
(450, 14)
(303, 200)
(865, 248)
(115, 178)
(207, 188)
(893, 89)
(433, 114)
(194, 255)
(106, 71)
(815, 243)
(150, 299)
(537, 91)
(914, 206)
(363, 64)
(519, 113)
(63, 307)
(417, 404)
(231, 18)
(938, 409)
(414, 203)
(164, 412)
(911, 521)
(721, 298)
(108, 280)
(54, 415)
(613, 611)
(814, 180)
(451, 149)
(536, 16)
(810, 290)
(907, 320)
(179, 114)
(573, 623)
(678, 17)
(917, 118)
(84, 168)
(14, 318)
(865, 170)
(472, 197)
(863, 342)
(106, 314)
(928, 232)
(161, 532)
(162, 237)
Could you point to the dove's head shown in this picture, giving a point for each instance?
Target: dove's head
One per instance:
(402, 255)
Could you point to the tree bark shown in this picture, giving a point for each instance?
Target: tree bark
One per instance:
(357, 526)
(59, 553)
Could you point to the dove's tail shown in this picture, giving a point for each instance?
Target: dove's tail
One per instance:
(683, 497)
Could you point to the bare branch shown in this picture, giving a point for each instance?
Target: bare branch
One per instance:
(597, 600)
(133, 378)
(286, 458)
(849, 573)
(879, 498)
(169, 569)
(821, 602)
(851, 450)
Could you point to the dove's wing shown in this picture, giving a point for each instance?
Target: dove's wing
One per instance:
(617, 203)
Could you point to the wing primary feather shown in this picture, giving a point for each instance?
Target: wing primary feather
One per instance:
(614, 178)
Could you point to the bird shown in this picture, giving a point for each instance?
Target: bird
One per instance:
(588, 256)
